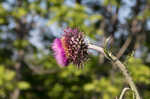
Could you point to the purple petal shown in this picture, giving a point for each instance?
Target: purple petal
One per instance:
(75, 31)
(59, 52)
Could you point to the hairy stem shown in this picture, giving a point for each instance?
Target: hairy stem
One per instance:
(120, 65)
(123, 92)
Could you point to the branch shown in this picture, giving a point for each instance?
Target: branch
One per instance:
(15, 94)
(39, 70)
(121, 66)
(124, 47)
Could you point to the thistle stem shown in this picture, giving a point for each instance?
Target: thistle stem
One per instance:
(120, 65)
(123, 92)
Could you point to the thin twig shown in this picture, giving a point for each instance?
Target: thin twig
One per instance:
(15, 94)
(40, 70)
(123, 92)
(124, 47)
(121, 66)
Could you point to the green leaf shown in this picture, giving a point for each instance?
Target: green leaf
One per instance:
(23, 85)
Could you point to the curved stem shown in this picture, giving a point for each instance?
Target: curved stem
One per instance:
(121, 66)
(123, 92)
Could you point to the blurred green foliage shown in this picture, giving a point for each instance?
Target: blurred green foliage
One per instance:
(28, 27)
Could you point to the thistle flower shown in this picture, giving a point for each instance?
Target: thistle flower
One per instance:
(71, 48)
(59, 52)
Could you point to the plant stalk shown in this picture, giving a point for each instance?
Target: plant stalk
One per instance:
(120, 65)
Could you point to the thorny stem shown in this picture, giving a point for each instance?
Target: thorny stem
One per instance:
(123, 92)
(120, 65)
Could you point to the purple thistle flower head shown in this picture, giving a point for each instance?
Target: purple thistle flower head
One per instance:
(59, 52)
(70, 48)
